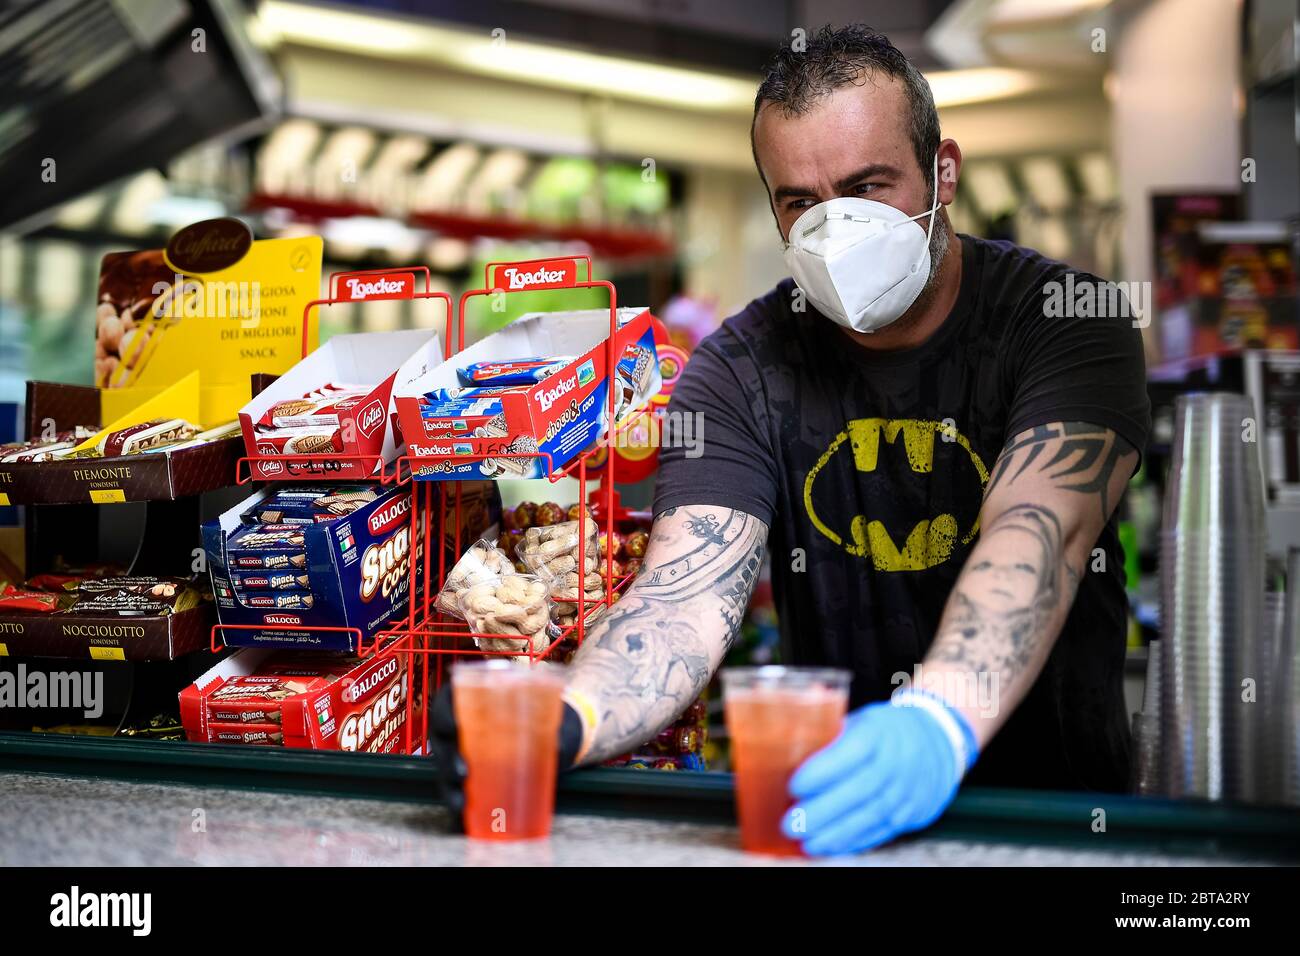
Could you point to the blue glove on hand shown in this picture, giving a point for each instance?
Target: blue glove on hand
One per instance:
(894, 768)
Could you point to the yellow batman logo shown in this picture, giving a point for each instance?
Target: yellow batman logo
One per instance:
(931, 541)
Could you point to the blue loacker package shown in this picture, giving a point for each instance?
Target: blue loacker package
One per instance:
(524, 371)
(358, 571)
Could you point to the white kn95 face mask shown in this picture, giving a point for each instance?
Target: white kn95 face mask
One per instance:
(862, 263)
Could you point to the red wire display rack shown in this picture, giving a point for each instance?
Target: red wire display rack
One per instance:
(434, 636)
(428, 637)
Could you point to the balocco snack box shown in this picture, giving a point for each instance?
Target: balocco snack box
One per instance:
(529, 426)
(361, 709)
(358, 570)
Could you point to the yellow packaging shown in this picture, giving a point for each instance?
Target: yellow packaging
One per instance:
(227, 314)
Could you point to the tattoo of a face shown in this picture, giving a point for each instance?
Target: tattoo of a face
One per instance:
(653, 652)
(1076, 456)
(1003, 601)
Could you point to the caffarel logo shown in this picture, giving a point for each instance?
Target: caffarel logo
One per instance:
(208, 246)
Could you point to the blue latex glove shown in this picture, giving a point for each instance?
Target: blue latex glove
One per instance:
(894, 768)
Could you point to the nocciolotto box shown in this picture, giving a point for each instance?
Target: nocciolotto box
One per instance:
(358, 571)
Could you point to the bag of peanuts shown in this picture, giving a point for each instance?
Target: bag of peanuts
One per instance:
(515, 606)
(554, 553)
(482, 562)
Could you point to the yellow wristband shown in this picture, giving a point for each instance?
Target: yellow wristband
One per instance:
(587, 713)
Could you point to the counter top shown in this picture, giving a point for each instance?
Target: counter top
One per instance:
(48, 819)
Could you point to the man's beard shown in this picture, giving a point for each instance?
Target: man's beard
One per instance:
(938, 252)
(938, 247)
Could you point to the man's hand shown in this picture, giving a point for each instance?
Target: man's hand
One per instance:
(894, 768)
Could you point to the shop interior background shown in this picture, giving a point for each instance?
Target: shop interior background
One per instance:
(451, 134)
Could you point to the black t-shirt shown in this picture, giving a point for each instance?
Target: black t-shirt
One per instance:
(869, 469)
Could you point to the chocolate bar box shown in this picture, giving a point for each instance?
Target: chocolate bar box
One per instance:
(357, 570)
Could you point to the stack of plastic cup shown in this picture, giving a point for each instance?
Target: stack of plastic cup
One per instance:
(1212, 603)
(1285, 718)
(1146, 730)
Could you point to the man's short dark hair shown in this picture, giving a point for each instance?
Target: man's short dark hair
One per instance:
(794, 80)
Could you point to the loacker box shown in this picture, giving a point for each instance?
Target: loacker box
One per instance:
(357, 569)
(358, 438)
(359, 708)
(530, 431)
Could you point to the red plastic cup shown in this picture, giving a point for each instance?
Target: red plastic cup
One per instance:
(508, 714)
(777, 717)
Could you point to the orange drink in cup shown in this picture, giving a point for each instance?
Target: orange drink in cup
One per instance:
(508, 715)
(776, 718)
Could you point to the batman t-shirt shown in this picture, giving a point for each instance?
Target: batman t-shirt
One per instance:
(869, 468)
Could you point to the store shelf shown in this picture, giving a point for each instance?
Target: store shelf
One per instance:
(612, 242)
(979, 815)
(160, 476)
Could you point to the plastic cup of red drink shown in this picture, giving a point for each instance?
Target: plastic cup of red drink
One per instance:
(508, 715)
(777, 717)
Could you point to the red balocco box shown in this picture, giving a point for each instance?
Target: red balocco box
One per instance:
(361, 708)
(539, 428)
(356, 434)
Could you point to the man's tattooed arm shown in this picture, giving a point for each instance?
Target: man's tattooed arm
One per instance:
(1051, 493)
(1073, 456)
(653, 652)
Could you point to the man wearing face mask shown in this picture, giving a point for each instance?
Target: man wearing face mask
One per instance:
(932, 460)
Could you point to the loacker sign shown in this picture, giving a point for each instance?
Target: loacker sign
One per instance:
(515, 277)
(389, 285)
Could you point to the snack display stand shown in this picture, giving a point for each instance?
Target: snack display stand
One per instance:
(424, 636)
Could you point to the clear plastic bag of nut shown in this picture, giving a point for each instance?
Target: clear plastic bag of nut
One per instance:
(514, 606)
(553, 553)
(482, 562)
(553, 549)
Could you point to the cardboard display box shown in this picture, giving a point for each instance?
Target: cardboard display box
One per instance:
(106, 638)
(541, 429)
(366, 434)
(359, 570)
(362, 710)
(160, 476)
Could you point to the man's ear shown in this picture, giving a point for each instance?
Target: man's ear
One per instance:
(949, 157)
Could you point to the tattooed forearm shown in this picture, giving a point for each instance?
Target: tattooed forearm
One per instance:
(1015, 583)
(1074, 456)
(652, 654)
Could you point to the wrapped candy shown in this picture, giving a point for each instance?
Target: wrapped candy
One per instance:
(483, 562)
(548, 514)
(636, 544)
(524, 514)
